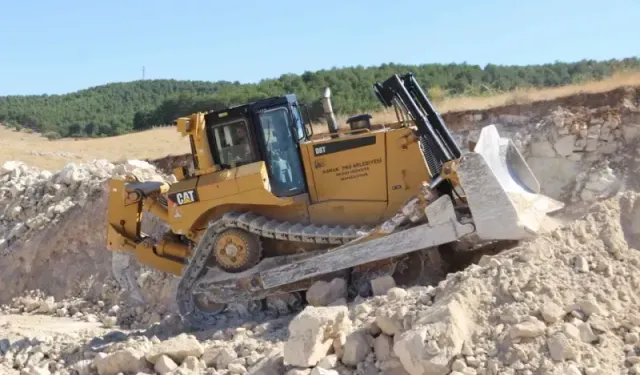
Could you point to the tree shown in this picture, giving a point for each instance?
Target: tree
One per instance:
(119, 108)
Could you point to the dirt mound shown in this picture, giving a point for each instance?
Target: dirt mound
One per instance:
(565, 303)
(52, 234)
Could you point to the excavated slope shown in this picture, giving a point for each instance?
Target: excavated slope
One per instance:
(52, 234)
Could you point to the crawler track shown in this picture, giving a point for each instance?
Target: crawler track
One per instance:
(198, 267)
(425, 267)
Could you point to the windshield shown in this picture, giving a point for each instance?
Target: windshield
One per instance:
(282, 152)
(232, 144)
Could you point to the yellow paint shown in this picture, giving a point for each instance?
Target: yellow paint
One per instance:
(123, 229)
(193, 126)
(361, 185)
(179, 172)
(354, 174)
(406, 168)
(342, 212)
(156, 208)
(123, 216)
(145, 255)
(364, 185)
(240, 187)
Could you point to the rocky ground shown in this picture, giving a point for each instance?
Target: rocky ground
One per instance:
(565, 303)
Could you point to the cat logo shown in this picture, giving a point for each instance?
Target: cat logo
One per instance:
(184, 197)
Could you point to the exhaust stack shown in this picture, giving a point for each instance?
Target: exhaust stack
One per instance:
(328, 111)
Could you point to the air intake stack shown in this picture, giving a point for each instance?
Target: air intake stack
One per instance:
(328, 111)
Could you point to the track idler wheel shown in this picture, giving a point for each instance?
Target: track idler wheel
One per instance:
(236, 250)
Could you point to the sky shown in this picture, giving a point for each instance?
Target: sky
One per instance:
(60, 46)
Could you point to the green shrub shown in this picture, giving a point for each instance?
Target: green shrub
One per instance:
(52, 135)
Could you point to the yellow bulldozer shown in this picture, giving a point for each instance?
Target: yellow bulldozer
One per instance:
(268, 207)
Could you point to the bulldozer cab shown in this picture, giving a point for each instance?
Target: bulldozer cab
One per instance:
(268, 130)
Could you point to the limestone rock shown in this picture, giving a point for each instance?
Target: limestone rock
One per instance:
(551, 312)
(312, 332)
(192, 363)
(559, 347)
(586, 333)
(323, 293)
(177, 348)
(542, 149)
(396, 293)
(389, 319)
(382, 346)
(528, 329)
(127, 360)
(35, 370)
(299, 371)
(564, 145)
(236, 368)
(428, 350)
(224, 358)
(164, 365)
(328, 362)
(356, 349)
(381, 285)
(323, 371)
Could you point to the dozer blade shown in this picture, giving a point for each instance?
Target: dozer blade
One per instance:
(502, 192)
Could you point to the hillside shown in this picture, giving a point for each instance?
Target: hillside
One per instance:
(120, 108)
(36, 150)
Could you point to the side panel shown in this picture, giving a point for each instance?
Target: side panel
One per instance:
(191, 200)
(347, 213)
(179, 211)
(217, 185)
(309, 167)
(406, 168)
(349, 168)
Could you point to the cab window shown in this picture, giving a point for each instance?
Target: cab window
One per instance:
(232, 144)
(299, 123)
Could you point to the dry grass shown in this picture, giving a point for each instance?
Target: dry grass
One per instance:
(165, 141)
(148, 144)
(532, 95)
(520, 96)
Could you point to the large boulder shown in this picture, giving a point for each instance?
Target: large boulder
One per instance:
(429, 348)
(177, 348)
(312, 332)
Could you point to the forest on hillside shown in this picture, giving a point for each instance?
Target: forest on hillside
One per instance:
(119, 108)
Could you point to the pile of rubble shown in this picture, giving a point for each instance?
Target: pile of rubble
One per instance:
(92, 342)
(52, 232)
(31, 199)
(565, 303)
